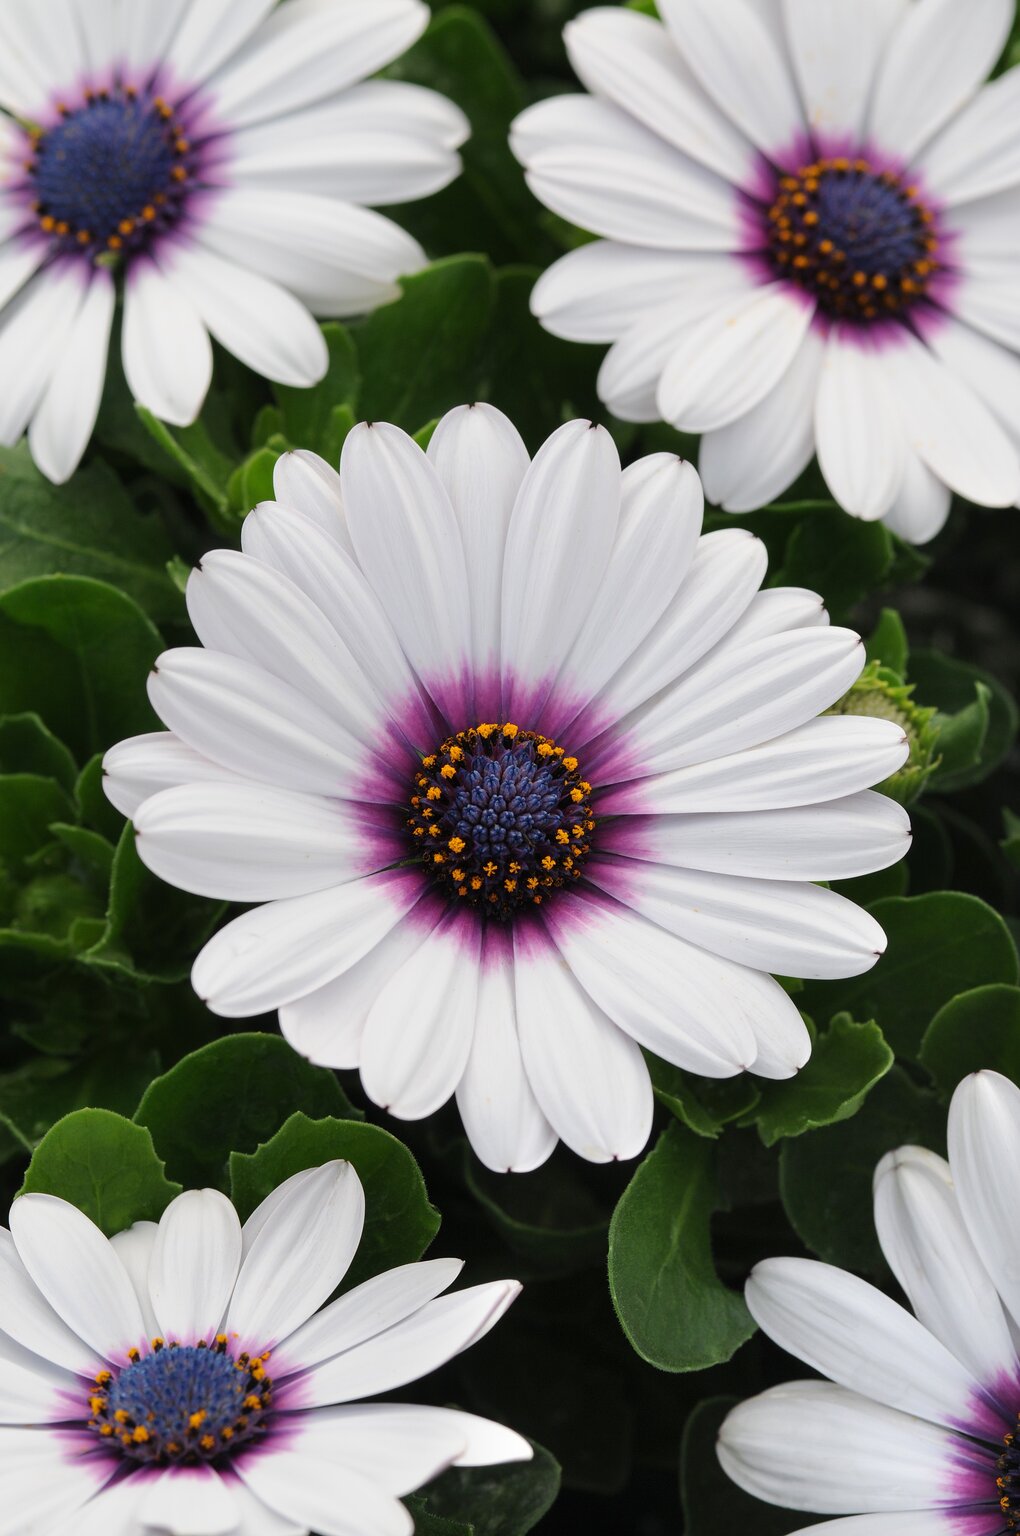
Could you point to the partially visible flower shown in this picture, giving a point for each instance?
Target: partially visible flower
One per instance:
(182, 1379)
(218, 153)
(915, 1432)
(529, 773)
(811, 213)
(880, 695)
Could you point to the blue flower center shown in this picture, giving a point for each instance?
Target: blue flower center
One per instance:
(1007, 1481)
(501, 818)
(112, 174)
(182, 1404)
(858, 240)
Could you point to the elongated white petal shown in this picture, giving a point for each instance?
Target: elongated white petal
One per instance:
(78, 1273)
(194, 1264)
(44, 1481)
(316, 1494)
(394, 1443)
(190, 1501)
(279, 952)
(32, 1321)
(299, 1257)
(922, 503)
(32, 326)
(561, 534)
(986, 297)
(588, 1076)
(505, 1126)
(35, 1391)
(779, 1446)
(63, 422)
(835, 54)
(858, 430)
(598, 291)
(774, 610)
(930, 1252)
(418, 1031)
(984, 1134)
(787, 927)
(305, 481)
(141, 766)
(936, 59)
(978, 154)
(208, 34)
(133, 1248)
(166, 348)
(858, 1337)
(411, 1348)
(633, 60)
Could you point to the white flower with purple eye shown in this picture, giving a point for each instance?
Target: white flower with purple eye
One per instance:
(915, 1433)
(182, 1379)
(810, 212)
(529, 774)
(218, 152)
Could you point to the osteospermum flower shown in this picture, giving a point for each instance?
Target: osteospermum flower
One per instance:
(916, 1430)
(811, 212)
(528, 773)
(216, 153)
(181, 1378)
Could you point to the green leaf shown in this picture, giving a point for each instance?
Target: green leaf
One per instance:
(838, 556)
(307, 414)
(88, 527)
(104, 1165)
(671, 1303)
(46, 1088)
(888, 643)
(549, 1219)
(846, 1063)
(231, 1096)
(204, 468)
(399, 1221)
(712, 1504)
(705, 1105)
(27, 745)
(977, 1029)
(960, 740)
(825, 1178)
(950, 685)
(420, 356)
(93, 806)
(92, 851)
(939, 944)
(1011, 839)
(252, 481)
(77, 651)
(28, 804)
(507, 1500)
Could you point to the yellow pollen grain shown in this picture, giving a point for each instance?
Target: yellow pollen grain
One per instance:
(140, 1435)
(456, 845)
(490, 869)
(510, 885)
(448, 771)
(435, 793)
(570, 764)
(121, 1415)
(562, 835)
(207, 1443)
(195, 1420)
(548, 862)
(511, 730)
(458, 875)
(577, 796)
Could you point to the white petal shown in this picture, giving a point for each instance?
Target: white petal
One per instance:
(835, 53)
(833, 756)
(78, 1272)
(141, 766)
(308, 50)
(189, 1501)
(737, 699)
(593, 164)
(774, 610)
(36, 1392)
(32, 327)
(299, 1257)
(277, 953)
(327, 1025)
(922, 503)
(481, 460)
(858, 431)
(835, 840)
(633, 60)
(986, 229)
(194, 1264)
(497, 1104)
(147, 28)
(303, 480)
(984, 1135)
(978, 154)
(778, 1446)
(366, 1312)
(337, 258)
(394, 1443)
(660, 520)
(411, 1348)
(407, 541)
(725, 573)
(255, 319)
(936, 59)
(418, 1031)
(209, 33)
(166, 348)
(726, 363)
(48, 40)
(29, 1318)
(951, 430)
(44, 1481)
(315, 1493)
(561, 534)
(66, 414)
(19, 259)
(601, 289)
(751, 461)
(260, 728)
(256, 1518)
(989, 369)
(133, 1248)
(110, 1512)
(985, 296)
(733, 53)
(786, 927)
(667, 995)
(928, 1249)
(858, 1337)
(589, 1078)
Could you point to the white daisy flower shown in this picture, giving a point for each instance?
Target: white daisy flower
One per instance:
(181, 1378)
(915, 1431)
(810, 212)
(217, 153)
(528, 774)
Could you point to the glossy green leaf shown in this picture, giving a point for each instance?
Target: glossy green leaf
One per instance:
(306, 415)
(399, 1221)
(673, 1307)
(27, 745)
(951, 685)
(838, 556)
(506, 1500)
(705, 1105)
(550, 1219)
(977, 1029)
(28, 804)
(888, 643)
(104, 1165)
(846, 1062)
